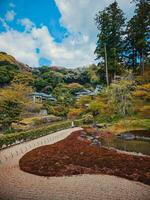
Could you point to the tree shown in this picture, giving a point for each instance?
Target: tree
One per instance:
(119, 96)
(13, 99)
(97, 107)
(63, 94)
(9, 112)
(110, 23)
(83, 102)
(74, 87)
(93, 74)
(23, 78)
(75, 113)
(79, 75)
(131, 52)
(142, 95)
(139, 32)
(143, 35)
(46, 79)
(57, 109)
(7, 72)
(40, 84)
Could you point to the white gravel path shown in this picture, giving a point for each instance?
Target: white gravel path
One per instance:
(18, 185)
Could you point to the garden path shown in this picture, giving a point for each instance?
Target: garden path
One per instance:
(18, 185)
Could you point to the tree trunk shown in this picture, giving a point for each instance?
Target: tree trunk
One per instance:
(134, 58)
(142, 63)
(106, 67)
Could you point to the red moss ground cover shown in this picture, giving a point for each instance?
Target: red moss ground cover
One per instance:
(74, 155)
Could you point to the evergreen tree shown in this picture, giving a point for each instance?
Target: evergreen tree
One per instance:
(131, 52)
(139, 32)
(110, 23)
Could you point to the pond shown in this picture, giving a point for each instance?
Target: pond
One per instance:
(135, 141)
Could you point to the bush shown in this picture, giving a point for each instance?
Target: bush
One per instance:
(34, 107)
(46, 119)
(11, 139)
(78, 122)
(88, 119)
(32, 134)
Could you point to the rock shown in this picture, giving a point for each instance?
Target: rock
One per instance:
(127, 136)
(101, 125)
(95, 142)
(83, 135)
(90, 137)
(4, 145)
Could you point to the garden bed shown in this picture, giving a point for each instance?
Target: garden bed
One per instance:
(75, 155)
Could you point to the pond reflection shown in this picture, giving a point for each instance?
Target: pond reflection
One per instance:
(139, 144)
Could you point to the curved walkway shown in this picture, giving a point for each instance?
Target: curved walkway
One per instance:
(18, 185)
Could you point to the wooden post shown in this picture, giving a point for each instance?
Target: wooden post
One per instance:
(72, 124)
(34, 98)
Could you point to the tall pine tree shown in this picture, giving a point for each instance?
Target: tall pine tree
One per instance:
(110, 23)
(138, 33)
(131, 53)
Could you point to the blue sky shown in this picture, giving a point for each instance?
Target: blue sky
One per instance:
(52, 32)
(37, 12)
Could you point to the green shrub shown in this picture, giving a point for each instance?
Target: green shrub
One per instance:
(78, 122)
(10, 139)
(88, 119)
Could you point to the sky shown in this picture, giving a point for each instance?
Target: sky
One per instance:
(52, 32)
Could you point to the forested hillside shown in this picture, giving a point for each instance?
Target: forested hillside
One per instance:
(10, 69)
(116, 88)
(75, 99)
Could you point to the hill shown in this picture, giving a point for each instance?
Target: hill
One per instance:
(5, 58)
(10, 68)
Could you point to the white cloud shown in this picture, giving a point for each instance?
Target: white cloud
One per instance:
(74, 51)
(23, 47)
(78, 17)
(27, 23)
(10, 15)
(20, 45)
(4, 24)
(64, 54)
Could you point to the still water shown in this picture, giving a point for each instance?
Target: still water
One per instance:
(140, 145)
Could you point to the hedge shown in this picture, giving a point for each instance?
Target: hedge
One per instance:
(79, 122)
(13, 138)
(19, 137)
